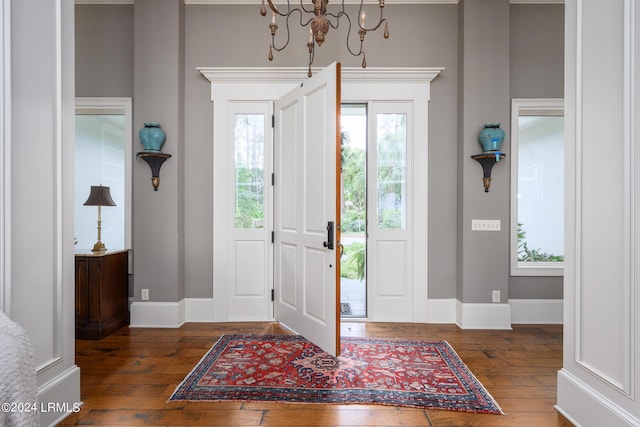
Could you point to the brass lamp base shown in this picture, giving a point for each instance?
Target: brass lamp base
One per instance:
(99, 247)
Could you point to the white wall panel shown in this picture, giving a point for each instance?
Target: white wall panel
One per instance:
(42, 85)
(599, 380)
(605, 193)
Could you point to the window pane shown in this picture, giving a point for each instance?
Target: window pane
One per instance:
(391, 142)
(100, 160)
(249, 161)
(540, 189)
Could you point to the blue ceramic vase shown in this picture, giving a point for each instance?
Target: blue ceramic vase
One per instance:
(491, 137)
(152, 137)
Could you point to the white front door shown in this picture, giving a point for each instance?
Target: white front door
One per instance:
(307, 147)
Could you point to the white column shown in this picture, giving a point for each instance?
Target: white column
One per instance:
(600, 376)
(39, 256)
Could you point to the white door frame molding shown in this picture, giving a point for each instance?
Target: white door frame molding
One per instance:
(5, 156)
(267, 84)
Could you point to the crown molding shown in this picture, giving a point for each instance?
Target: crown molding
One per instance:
(536, 1)
(105, 1)
(252, 2)
(387, 2)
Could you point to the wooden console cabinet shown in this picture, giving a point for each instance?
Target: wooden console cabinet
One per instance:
(102, 293)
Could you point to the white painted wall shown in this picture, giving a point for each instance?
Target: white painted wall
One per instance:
(37, 190)
(598, 384)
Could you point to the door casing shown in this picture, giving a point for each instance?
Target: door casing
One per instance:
(378, 84)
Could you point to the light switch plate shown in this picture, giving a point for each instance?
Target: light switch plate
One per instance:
(485, 225)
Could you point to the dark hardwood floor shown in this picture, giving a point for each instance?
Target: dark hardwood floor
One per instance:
(127, 377)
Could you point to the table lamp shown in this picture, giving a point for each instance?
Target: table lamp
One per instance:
(99, 196)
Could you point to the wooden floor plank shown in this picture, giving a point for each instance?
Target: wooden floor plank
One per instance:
(127, 378)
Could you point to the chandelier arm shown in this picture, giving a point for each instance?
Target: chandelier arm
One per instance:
(273, 36)
(287, 17)
(348, 37)
(304, 8)
(380, 20)
(273, 7)
(303, 24)
(337, 18)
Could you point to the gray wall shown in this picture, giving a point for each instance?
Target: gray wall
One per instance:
(421, 35)
(537, 71)
(483, 257)
(158, 216)
(537, 51)
(104, 50)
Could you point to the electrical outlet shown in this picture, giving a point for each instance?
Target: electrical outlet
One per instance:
(495, 296)
(145, 295)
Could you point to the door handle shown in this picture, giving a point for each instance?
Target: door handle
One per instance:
(329, 242)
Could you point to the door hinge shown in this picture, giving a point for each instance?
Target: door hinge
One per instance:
(273, 179)
(273, 120)
(273, 294)
(273, 237)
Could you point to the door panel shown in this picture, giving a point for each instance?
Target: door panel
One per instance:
(287, 273)
(391, 275)
(250, 282)
(306, 147)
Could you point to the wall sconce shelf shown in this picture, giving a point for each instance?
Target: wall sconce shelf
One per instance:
(155, 161)
(488, 160)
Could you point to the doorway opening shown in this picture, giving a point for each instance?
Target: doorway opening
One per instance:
(353, 223)
(103, 153)
(100, 160)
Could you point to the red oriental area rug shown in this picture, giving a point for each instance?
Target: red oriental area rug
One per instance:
(288, 368)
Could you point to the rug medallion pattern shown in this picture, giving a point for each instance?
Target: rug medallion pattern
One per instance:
(288, 368)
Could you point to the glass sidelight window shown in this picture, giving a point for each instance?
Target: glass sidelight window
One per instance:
(391, 145)
(249, 170)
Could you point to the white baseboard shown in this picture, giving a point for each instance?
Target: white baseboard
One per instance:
(441, 310)
(198, 309)
(536, 311)
(584, 405)
(483, 316)
(151, 314)
(59, 397)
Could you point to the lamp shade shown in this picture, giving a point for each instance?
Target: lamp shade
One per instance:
(99, 196)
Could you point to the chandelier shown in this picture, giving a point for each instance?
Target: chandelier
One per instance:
(320, 22)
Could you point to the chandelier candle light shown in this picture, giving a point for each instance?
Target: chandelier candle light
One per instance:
(320, 21)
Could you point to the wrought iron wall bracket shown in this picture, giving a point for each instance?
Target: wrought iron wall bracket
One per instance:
(155, 161)
(488, 160)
